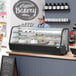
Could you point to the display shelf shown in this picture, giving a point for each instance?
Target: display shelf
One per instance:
(57, 20)
(56, 7)
(57, 10)
(44, 39)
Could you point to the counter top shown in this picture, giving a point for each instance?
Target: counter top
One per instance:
(68, 56)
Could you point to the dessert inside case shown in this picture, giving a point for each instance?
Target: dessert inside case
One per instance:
(39, 40)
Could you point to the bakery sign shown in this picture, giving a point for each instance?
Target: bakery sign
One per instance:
(25, 10)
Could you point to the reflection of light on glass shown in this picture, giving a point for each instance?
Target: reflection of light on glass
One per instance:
(52, 32)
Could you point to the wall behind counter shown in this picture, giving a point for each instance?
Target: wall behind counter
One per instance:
(71, 14)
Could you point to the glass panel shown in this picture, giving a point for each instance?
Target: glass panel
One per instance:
(39, 36)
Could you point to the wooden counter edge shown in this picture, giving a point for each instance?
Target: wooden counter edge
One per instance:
(70, 57)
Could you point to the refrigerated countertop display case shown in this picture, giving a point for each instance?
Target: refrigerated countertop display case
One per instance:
(39, 40)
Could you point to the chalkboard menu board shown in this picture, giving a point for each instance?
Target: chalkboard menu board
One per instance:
(8, 66)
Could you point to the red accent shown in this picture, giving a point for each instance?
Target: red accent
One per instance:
(71, 44)
(71, 33)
